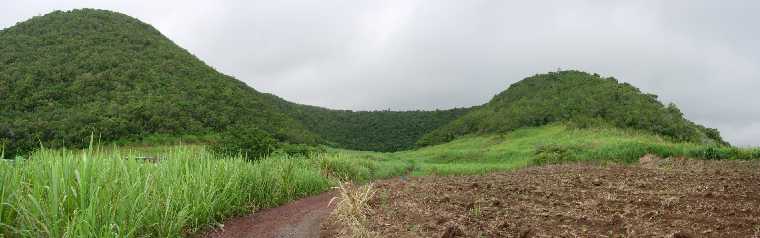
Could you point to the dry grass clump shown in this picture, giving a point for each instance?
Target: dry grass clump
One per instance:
(351, 209)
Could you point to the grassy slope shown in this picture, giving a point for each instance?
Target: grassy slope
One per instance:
(550, 144)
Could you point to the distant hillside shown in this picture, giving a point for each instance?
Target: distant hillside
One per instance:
(369, 130)
(577, 98)
(66, 75)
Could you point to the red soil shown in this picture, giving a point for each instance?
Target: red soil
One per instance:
(298, 219)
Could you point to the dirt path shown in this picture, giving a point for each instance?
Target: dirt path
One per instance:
(298, 219)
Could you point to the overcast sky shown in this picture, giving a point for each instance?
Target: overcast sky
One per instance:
(406, 54)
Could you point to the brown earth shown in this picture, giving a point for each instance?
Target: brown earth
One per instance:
(674, 198)
(299, 219)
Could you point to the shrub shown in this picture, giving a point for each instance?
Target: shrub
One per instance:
(746, 154)
(713, 153)
(248, 141)
(551, 154)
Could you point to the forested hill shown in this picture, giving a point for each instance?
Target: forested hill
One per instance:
(577, 98)
(67, 75)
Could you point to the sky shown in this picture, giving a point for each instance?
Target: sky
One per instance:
(703, 56)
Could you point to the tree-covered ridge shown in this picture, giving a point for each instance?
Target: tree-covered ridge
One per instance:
(66, 75)
(578, 98)
(369, 130)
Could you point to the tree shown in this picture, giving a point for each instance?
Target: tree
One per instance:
(245, 140)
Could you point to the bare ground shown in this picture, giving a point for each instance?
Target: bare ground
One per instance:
(667, 198)
(299, 219)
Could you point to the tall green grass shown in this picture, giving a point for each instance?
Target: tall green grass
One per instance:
(363, 166)
(99, 193)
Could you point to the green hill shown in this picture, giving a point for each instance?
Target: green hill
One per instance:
(67, 75)
(577, 98)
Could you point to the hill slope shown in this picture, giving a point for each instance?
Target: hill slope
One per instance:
(66, 75)
(578, 98)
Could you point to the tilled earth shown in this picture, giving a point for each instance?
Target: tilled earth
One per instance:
(666, 198)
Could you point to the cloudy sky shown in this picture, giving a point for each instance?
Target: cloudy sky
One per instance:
(408, 54)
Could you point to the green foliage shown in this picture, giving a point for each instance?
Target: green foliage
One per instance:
(551, 144)
(713, 152)
(247, 141)
(66, 75)
(552, 154)
(369, 130)
(580, 99)
(358, 167)
(94, 194)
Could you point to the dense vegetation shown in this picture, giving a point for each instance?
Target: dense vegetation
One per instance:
(370, 130)
(67, 75)
(583, 99)
(247, 141)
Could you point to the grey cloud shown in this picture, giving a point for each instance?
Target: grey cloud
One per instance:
(406, 54)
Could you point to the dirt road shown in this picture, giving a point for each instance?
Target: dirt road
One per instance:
(299, 219)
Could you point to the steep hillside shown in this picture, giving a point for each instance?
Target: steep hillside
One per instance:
(66, 75)
(580, 99)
